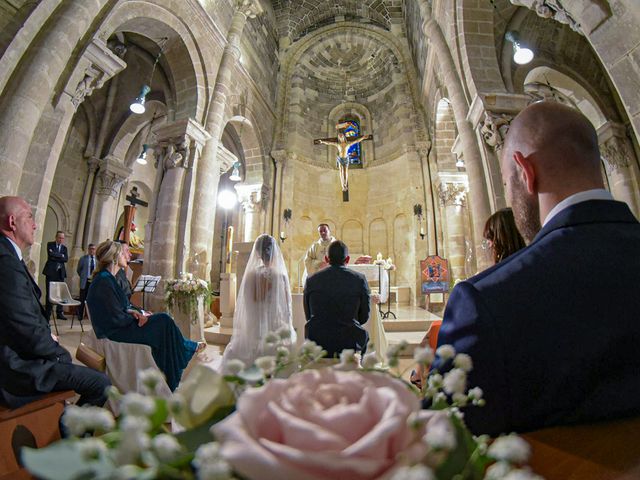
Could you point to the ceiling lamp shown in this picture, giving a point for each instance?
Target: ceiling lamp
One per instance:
(235, 174)
(227, 199)
(137, 106)
(521, 54)
(142, 159)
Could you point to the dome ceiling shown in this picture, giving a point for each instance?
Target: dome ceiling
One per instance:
(347, 64)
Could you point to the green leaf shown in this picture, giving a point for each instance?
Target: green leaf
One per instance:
(160, 414)
(64, 461)
(200, 435)
(465, 461)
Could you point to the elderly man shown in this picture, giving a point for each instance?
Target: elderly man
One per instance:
(553, 330)
(32, 362)
(314, 260)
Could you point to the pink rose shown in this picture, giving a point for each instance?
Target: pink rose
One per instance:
(322, 424)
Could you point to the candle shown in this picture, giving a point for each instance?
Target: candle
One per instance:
(228, 249)
(379, 257)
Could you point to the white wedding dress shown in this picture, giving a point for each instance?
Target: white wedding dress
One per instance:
(263, 304)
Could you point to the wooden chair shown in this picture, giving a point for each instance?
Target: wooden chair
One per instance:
(35, 424)
(603, 451)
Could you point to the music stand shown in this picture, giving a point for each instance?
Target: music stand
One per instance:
(146, 284)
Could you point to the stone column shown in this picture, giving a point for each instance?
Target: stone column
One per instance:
(177, 148)
(111, 177)
(479, 197)
(249, 197)
(280, 156)
(452, 192)
(26, 97)
(208, 170)
(620, 164)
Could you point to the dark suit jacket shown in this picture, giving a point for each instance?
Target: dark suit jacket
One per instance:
(83, 269)
(54, 268)
(336, 304)
(554, 330)
(27, 351)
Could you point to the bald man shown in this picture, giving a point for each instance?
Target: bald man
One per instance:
(554, 329)
(32, 362)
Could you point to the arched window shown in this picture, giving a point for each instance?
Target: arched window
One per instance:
(355, 151)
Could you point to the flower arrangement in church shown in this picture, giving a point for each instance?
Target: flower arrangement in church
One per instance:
(185, 291)
(290, 415)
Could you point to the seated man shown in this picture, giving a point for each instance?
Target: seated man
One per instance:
(336, 304)
(553, 335)
(32, 362)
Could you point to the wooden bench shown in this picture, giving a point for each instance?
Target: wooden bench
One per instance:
(35, 424)
(605, 451)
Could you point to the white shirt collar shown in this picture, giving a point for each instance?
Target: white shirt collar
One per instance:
(15, 245)
(595, 194)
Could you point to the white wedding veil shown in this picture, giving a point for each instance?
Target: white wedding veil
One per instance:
(263, 304)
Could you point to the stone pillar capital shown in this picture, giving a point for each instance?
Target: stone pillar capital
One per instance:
(249, 8)
(452, 189)
(614, 146)
(103, 64)
(494, 129)
(280, 156)
(111, 176)
(583, 16)
(249, 196)
(225, 158)
(177, 142)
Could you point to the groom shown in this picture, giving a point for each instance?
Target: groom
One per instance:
(336, 304)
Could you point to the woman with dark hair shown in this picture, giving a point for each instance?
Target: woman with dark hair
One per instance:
(501, 235)
(112, 317)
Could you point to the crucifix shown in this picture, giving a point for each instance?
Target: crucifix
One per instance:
(129, 214)
(342, 144)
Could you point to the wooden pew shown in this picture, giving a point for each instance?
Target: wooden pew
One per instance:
(34, 422)
(604, 451)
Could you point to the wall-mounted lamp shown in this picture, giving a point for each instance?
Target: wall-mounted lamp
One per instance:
(521, 54)
(417, 211)
(286, 215)
(142, 159)
(459, 163)
(235, 174)
(283, 236)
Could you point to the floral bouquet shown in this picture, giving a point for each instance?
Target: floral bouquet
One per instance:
(185, 291)
(288, 416)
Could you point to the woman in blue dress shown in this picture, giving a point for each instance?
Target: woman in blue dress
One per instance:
(113, 317)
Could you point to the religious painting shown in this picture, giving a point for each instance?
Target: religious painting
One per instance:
(354, 152)
(434, 274)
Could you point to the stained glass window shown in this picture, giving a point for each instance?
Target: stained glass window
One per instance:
(355, 151)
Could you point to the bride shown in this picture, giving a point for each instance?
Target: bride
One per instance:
(263, 304)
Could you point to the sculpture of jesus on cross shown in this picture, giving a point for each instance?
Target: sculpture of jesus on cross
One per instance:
(342, 144)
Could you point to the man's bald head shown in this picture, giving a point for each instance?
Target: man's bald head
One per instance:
(16, 221)
(550, 153)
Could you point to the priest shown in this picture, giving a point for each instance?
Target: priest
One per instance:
(314, 258)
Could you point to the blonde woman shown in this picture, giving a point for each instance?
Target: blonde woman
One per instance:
(112, 317)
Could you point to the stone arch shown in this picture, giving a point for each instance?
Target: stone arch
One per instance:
(298, 49)
(378, 242)
(59, 207)
(184, 56)
(352, 235)
(253, 157)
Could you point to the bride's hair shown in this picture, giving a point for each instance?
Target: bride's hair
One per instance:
(264, 247)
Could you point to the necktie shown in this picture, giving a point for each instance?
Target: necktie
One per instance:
(92, 265)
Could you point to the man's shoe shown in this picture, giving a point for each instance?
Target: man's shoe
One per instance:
(60, 316)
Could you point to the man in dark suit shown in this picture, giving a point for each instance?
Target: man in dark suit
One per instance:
(336, 304)
(554, 329)
(54, 270)
(32, 362)
(86, 266)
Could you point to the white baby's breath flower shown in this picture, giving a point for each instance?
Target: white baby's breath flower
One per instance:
(417, 472)
(423, 356)
(166, 447)
(370, 360)
(282, 353)
(349, 360)
(522, 474)
(267, 364)
(311, 350)
(92, 448)
(206, 453)
(220, 470)
(440, 434)
(137, 405)
(127, 472)
(510, 448)
(133, 443)
(80, 420)
(463, 362)
(498, 471)
(284, 333)
(150, 379)
(455, 381)
(271, 339)
(132, 423)
(434, 381)
(233, 367)
(475, 393)
(445, 352)
(460, 399)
